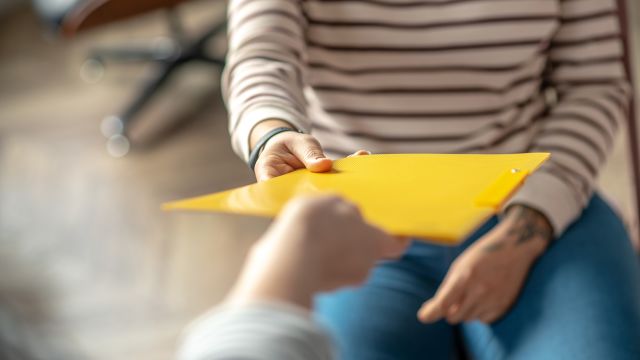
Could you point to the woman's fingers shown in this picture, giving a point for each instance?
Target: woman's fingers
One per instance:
(393, 247)
(489, 316)
(446, 300)
(492, 310)
(270, 167)
(289, 151)
(360, 153)
(469, 305)
(432, 311)
(308, 150)
(266, 174)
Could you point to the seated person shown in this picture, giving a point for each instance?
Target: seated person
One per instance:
(555, 276)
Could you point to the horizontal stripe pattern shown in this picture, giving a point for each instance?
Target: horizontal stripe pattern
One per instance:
(434, 76)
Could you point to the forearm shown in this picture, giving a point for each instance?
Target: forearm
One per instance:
(287, 281)
(588, 74)
(315, 245)
(264, 75)
(267, 315)
(524, 229)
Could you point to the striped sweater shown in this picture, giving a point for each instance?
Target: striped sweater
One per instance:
(438, 76)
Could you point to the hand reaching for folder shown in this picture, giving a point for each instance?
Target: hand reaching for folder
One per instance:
(316, 244)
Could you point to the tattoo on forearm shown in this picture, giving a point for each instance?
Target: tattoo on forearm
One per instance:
(528, 224)
(494, 246)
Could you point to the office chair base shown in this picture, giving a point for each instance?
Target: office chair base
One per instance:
(169, 55)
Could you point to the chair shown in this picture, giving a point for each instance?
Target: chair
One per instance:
(70, 17)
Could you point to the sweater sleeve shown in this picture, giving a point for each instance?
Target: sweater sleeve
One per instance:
(592, 94)
(258, 331)
(265, 69)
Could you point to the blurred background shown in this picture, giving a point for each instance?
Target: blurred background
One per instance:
(109, 108)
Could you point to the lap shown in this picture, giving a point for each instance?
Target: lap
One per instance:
(378, 320)
(582, 299)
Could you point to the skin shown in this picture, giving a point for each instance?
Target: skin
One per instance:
(290, 262)
(482, 283)
(287, 151)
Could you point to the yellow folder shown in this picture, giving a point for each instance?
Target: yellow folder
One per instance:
(439, 197)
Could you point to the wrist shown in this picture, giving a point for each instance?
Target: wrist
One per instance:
(274, 275)
(528, 229)
(263, 128)
(533, 249)
(255, 153)
(539, 223)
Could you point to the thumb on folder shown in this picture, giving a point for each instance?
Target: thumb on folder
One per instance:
(290, 151)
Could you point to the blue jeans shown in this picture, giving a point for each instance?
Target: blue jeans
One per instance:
(581, 301)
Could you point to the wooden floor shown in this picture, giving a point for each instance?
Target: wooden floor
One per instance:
(90, 267)
(88, 260)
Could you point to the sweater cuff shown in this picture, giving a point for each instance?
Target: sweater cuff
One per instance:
(255, 115)
(262, 330)
(550, 196)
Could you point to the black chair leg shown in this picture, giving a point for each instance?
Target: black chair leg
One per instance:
(160, 52)
(116, 128)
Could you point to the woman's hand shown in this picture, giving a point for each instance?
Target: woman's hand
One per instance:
(287, 151)
(484, 282)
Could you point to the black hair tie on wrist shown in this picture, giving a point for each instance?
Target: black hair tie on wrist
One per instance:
(257, 150)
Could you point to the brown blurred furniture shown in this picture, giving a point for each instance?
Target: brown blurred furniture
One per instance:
(70, 17)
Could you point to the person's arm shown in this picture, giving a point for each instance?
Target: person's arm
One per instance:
(263, 79)
(588, 74)
(317, 244)
(587, 71)
(263, 86)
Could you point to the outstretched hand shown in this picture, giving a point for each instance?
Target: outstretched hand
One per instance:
(316, 244)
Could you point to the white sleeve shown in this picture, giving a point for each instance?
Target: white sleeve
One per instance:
(259, 331)
(265, 73)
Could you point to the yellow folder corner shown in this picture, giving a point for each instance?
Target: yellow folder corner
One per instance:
(439, 197)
